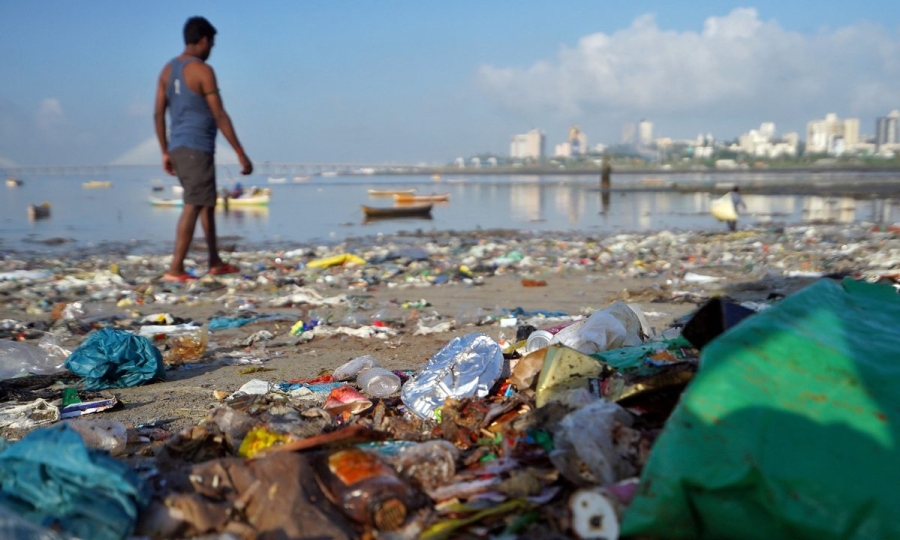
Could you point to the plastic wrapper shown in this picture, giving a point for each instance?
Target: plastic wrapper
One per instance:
(102, 434)
(42, 359)
(467, 366)
(431, 464)
(27, 415)
(586, 450)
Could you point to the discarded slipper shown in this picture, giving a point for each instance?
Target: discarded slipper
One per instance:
(183, 278)
(223, 269)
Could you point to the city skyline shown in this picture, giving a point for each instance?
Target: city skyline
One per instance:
(428, 83)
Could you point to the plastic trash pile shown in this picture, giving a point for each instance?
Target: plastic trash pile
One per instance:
(589, 425)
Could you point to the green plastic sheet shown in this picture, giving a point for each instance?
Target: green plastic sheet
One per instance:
(52, 479)
(116, 359)
(790, 429)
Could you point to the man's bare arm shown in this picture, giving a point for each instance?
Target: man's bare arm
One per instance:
(210, 90)
(159, 119)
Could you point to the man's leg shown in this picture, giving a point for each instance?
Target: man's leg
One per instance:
(208, 222)
(184, 234)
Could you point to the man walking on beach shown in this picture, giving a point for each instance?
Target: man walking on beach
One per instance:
(187, 88)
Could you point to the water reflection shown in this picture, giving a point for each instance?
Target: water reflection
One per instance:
(251, 214)
(829, 209)
(526, 202)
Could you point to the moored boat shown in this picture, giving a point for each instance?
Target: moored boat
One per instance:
(277, 180)
(434, 197)
(254, 197)
(40, 211)
(419, 210)
(13, 182)
(391, 192)
(93, 184)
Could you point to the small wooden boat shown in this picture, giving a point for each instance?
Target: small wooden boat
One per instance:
(434, 197)
(41, 211)
(259, 199)
(391, 192)
(13, 182)
(301, 179)
(420, 210)
(93, 184)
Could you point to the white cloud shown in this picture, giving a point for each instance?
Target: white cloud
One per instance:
(50, 115)
(147, 153)
(736, 64)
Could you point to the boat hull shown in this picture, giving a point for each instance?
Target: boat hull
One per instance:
(391, 192)
(437, 197)
(397, 211)
(41, 211)
(260, 200)
(96, 184)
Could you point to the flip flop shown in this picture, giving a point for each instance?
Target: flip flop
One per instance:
(183, 278)
(224, 269)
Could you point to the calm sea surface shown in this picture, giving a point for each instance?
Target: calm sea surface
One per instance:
(327, 209)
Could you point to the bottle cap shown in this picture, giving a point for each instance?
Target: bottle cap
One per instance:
(389, 515)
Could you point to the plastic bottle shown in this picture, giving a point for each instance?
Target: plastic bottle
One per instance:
(188, 348)
(366, 489)
(352, 368)
(431, 463)
(378, 382)
(538, 340)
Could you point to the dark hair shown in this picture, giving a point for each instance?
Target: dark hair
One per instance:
(197, 28)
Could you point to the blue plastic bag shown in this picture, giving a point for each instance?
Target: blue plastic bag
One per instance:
(52, 479)
(116, 359)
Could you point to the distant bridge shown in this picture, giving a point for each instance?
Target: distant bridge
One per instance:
(261, 167)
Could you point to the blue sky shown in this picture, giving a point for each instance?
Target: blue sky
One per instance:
(408, 82)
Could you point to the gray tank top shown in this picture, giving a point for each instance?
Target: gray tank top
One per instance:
(192, 123)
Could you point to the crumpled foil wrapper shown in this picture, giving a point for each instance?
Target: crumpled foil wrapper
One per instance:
(467, 366)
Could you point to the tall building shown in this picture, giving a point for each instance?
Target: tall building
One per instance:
(831, 135)
(527, 145)
(887, 129)
(577, 141)
(645, 132)
(628, 132)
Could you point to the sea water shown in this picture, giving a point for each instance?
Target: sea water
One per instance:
(328, 209)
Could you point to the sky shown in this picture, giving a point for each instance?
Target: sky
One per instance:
(426, 82)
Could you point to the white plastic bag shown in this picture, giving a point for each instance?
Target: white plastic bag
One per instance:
(614, 327)
(44, 358)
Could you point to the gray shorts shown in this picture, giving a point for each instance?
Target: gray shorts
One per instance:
(196, 171)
